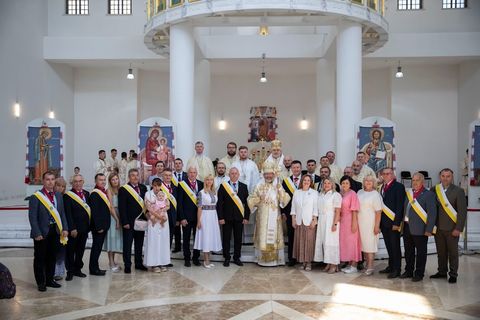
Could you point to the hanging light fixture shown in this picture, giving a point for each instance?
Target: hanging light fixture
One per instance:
(51, 114)
(16, 109)
(130, 75)
(399, 73)
(263, 31)
(304, 124)
(222, 124)
(263, 76)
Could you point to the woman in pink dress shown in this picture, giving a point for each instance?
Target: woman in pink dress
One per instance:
(350, 245)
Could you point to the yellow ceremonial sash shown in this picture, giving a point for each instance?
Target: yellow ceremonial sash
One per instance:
(103, 196)
(234, 197)
(80, 201)
(53, 212)
(174, 180)
(388, 212)
(135, 196)
(289, 184)
(416, 206)
(446, 205)
(171, 198)
(189, 192)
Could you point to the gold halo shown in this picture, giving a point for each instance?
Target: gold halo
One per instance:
(47, 130)
(160, 132)
(382, 133)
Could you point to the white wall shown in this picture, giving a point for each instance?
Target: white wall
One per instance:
(153, 94)
(105, 115)
(377, 93)
(425, 108)
(37, 84)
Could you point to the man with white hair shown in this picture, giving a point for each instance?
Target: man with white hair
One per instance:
(201, 162)
(419, 224)
(366, 170)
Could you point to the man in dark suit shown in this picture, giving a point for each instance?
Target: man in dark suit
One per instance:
(311, 167)
(177, 176)
(393, 194)
(291, 184)
(452, 213)
(172, 211)
(78, 214)
(231, 216)
(356, 185)
(48, 223)
(130, 206)
(325, 173)
(419, 222)
(100, 223)
(187, 212)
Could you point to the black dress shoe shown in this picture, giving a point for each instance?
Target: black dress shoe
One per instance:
(79, 274)
(226, 263)
(393, 275)
(438, 275)
(238, 262)
(97, 273)
(53, 284)
(69, 277)
(360, 266)
(187, 263)
(42, 288)
(386, 270)
(197, 263)
(406, 275)
(452, 280)
(169, 265)
(127, 270)
(141, 268)
(291, 263)
(417, 278)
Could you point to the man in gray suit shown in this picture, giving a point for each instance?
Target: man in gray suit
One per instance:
(419, 221)
(48, 222)
(452, 213)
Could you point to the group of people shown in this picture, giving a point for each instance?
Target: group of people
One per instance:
(328, 215)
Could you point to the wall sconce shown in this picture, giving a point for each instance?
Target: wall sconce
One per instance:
(263, 31)
(51, 114)
(304, 124)
(16, 110)
(222, 125)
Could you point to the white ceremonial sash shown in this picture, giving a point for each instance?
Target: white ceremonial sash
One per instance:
(418, 208)
(53, 212)
(135, 195)
(234, 197)
(103, 196)
(81, 202)
(446, 205)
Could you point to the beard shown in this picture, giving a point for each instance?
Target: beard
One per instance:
(231, 153)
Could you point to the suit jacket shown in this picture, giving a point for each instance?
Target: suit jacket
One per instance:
(394, 198)
(227, 209)
(39, 216)
(186, 209)
(356, 186)
(427, 200)
(100, 213)
(286, 210)
(316, 178)
(184, 175)
(77, 217)
(128, 207)
(456, 197)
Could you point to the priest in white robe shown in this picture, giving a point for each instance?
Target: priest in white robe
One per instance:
(202, 163)
(335, 171)
(267, 199)
(100, 165)
(248, 169)
(231, 156)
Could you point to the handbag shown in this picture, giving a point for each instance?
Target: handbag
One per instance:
(140, 224)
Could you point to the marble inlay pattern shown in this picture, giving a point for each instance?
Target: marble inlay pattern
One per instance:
(248, 292)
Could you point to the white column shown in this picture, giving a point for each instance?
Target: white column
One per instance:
(202, 104)
(182, 54)
(349, 89)
(325, 106)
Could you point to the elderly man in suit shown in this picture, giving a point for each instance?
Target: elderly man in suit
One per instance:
(393, 196)
(49, 229)
(233, 213)
(419, 222)
(452, 213)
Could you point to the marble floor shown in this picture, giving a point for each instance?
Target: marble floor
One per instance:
(248, 292)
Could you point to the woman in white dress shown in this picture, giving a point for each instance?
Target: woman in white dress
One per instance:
(157, 248)
(304, 220)
(327, 246)
(369, 217)
(208, 230)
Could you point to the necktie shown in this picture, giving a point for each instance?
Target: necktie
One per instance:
(51, 197)
(179, 176)
(235, 186)
(137, 189)
(295, 180)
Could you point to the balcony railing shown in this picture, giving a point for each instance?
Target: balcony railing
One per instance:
(155, 7)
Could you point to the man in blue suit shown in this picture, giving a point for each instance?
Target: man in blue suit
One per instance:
(48, 222)
(419, 222)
